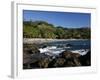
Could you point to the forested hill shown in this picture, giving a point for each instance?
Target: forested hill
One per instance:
(41, 29)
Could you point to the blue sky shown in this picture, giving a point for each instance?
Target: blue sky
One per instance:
(64, 19)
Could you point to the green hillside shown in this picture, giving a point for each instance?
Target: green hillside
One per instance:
(41, 29)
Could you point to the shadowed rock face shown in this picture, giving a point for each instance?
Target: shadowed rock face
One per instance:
(34, 59)
(44, 63)
(86, 59)
(59, 62)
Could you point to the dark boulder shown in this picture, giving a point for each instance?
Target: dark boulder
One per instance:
(72, 59)
(43, 46)
(86, 59)
(31, 48)
(59, 62)
(69, 54)
(36, 61)
(43, 63)
(66, 59)
(68, 45)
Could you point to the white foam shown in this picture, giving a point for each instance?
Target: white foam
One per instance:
(52, 51)
(81, 52)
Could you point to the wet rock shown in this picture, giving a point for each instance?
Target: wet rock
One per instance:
(68, 54)
(44, 46)
(72, 62)
(68, 45)
(86, 59)
(37, 61)
(72, 59)
(28, 51)
(44, 63)
(59, 62)
(31, 48)
(66, 59)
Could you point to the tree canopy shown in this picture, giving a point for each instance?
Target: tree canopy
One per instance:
(42, 29)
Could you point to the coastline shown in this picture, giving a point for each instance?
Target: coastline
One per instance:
(53, 57)
(43, 40)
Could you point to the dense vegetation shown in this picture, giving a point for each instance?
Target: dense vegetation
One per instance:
(41, 29)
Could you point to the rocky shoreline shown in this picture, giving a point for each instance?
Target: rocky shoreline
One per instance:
(33, 59)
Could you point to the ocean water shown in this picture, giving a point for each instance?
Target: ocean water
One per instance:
(71, 44)
(56, 47)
